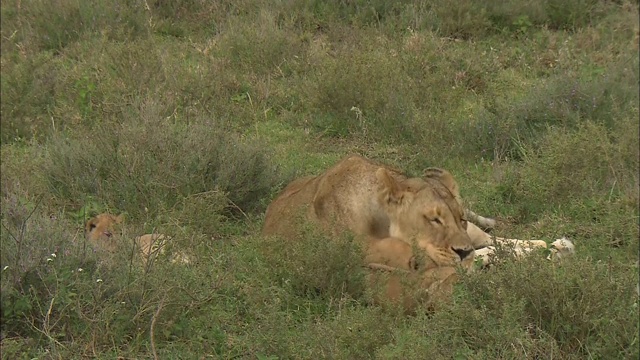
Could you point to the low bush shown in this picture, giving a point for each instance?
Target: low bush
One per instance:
(154, 164)
(565, 169)
(315, 266)
(532, 308)
(508, 125)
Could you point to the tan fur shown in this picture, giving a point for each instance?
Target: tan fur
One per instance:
(392, 215)
(101, 232)
(391, 252)
(405, 281)
(375, 201)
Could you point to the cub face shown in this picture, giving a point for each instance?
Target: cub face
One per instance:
(100, 231)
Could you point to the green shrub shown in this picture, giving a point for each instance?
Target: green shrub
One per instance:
(262, 48)
(75, 292)
(43, 25)
(306, 296)
(28, 89)
(508, 126)
(57, 288)
(574, 164)
(155, 164)
(348, 105)
(583, 306)
(39, 261)
(312, 265)
(531, 308)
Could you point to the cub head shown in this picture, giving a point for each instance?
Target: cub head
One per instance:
(100, 231)
(427, 211)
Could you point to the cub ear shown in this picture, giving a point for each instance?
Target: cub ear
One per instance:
(389, 191)
(445, 178)
(118, 219)
(89, 225)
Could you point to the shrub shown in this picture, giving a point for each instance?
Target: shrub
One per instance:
(572, 165)
(55, 289)
(263, 48)
(33, 272)
(531, 308)
(572, 303)
(28, 89)
(305, 294)
(315, 266)
(155, 164)
(48, 26)
(348, 105)
(507, 126)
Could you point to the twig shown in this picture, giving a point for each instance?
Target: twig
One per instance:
(10, 233)
(45, 331)
(23, 230)
(153, 324)
(238, 208)
(48, 316)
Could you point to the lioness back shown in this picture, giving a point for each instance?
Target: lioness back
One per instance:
(342, 198)
(347, 197)
(289, 208)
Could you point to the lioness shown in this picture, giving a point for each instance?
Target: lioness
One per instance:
(318, 191)
(375, 201)
(100, 232)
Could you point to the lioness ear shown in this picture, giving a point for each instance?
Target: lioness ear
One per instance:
(390, 189)
(445, 178)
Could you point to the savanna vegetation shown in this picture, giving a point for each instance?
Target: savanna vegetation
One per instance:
(189, 116)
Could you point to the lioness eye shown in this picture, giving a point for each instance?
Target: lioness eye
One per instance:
(437, 221)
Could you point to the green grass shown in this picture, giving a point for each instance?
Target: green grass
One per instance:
(190, 117)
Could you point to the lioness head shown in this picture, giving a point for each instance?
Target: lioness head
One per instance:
(100, 231)
(428, 212)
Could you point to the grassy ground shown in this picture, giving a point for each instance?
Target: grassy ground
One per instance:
(189, 116)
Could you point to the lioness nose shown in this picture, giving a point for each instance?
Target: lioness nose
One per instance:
(463, 253)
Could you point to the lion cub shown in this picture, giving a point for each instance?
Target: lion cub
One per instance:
(100, 232)
(408, 280)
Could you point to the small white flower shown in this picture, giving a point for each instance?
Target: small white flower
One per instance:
(99, 280)
(5, 268)
(49, 259)
(80, 269)
(53, 255)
